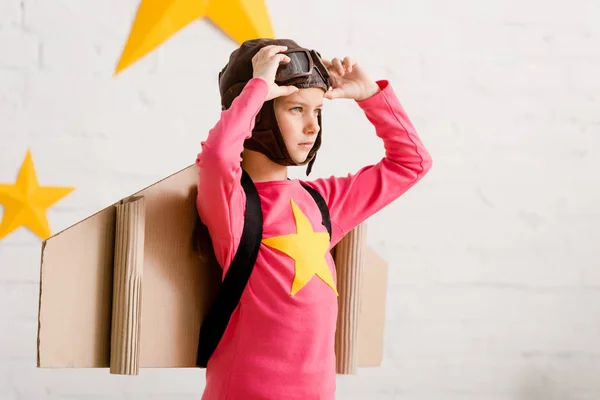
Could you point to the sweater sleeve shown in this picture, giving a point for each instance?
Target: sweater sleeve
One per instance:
(221, 198)
(356, 197)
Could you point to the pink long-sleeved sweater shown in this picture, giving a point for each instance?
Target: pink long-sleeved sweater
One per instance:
(279, 343)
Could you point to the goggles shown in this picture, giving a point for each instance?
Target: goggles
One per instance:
(302, 63)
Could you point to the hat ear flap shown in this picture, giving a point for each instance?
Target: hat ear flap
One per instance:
(231, 93)
(310, 165)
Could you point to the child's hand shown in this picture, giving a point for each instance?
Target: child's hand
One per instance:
(265, 64)
(349, 80)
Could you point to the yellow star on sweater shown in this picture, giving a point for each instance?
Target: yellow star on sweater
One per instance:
(25, 202)
(308, 249)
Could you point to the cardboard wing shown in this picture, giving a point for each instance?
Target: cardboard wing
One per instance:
(124, 289)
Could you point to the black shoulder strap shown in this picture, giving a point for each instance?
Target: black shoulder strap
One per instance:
(325, 217)
(237, 276)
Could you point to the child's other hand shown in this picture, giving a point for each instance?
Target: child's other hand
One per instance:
(349, 80)
(265, 64)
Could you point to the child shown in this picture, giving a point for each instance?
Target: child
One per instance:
(279, 342)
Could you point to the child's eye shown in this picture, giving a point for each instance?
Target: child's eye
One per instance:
(318, 111)
(298, 109)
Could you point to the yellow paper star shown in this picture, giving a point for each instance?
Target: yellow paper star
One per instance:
(158, 20)
(308, 249)
(25, 202)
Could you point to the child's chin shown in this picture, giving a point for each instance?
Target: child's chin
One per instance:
(300, 158)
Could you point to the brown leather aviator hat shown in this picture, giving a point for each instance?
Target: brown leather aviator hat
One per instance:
(306, 70)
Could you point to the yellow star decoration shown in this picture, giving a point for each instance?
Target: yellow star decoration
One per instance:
(308, 249)
(25, 202)
(158, 20)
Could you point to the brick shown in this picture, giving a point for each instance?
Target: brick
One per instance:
(18, 341)
(12, 93)
(18, 51)
(329, 15)
(99, 384)
(10, 15)
(72, 18)
(371, 383)
(27, 382)
(76, 55)
(528, 263)
(574, 41)
(478, 341)
(509, 13)
(82, 56)
(8, 393)
(184, 383)
(561, 308)
(33, 383)
(200, 49)
(4, 378)
(496, 377)
(583, 77)
(85, 101)
(527, 76)
(21, 263)
(23, 299)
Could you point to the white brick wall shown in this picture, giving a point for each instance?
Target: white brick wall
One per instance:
(494, 281)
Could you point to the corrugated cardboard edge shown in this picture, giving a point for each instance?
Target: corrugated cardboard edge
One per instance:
(350, 264)
(45, 242)
(128, 274)
(40, 306)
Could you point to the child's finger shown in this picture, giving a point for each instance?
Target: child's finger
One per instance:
(283, 58)
(286, 90)
(349, 63)
(334, 94)
(337, 64)
(271, 51)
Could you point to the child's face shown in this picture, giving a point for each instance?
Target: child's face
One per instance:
(297, 118)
